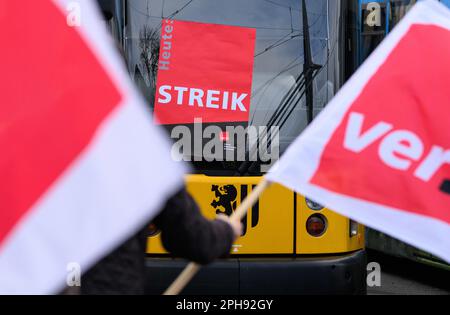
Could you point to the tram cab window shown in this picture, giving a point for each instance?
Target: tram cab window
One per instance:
(398, 10)
(279, 51)
(373, 26)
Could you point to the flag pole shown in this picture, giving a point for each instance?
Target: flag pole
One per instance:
(191, 270)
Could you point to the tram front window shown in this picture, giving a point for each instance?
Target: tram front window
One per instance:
(373, 27)
(278, 60)
(398, 10)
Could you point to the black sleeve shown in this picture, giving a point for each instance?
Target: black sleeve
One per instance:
(186, 233)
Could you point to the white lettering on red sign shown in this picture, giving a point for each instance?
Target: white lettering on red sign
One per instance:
(166, 47)
(198, 97)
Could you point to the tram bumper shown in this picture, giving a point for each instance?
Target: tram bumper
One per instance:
(334, 274)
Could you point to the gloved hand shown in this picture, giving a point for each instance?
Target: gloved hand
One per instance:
(235, 225)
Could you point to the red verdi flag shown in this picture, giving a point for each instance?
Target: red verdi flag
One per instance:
(380, 152)
(204, 71)
(81, 164)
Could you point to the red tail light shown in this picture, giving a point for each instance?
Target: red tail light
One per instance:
(224, 136)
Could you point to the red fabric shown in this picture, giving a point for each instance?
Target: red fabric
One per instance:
(411, 92)
(54, 94)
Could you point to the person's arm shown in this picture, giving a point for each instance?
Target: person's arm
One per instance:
(187, 234)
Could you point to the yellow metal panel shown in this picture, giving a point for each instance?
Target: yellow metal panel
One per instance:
(269, 227)
(154, 245)
(335, 240)
(272, 231)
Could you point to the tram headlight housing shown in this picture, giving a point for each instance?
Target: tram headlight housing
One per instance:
(152, 230)
(313, 205)
(353, 228)
(316, 225)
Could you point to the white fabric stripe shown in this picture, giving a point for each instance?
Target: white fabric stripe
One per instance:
(95, 33)
(116, 185)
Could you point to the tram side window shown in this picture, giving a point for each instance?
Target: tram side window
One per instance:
(373, 27)
(398, 10)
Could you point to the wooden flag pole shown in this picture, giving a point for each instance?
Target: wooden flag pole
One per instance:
(190, 271)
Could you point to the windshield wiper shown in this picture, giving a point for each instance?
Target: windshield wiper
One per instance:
(310, 67)
(290, 101)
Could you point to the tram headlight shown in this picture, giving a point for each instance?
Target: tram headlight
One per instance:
(313, 205)
(353, 228)
(152, 230)
(316, 225)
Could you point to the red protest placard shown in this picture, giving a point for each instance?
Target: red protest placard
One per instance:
(204, 71)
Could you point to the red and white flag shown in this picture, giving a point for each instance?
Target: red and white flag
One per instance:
(380, 151)
(81, 166)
